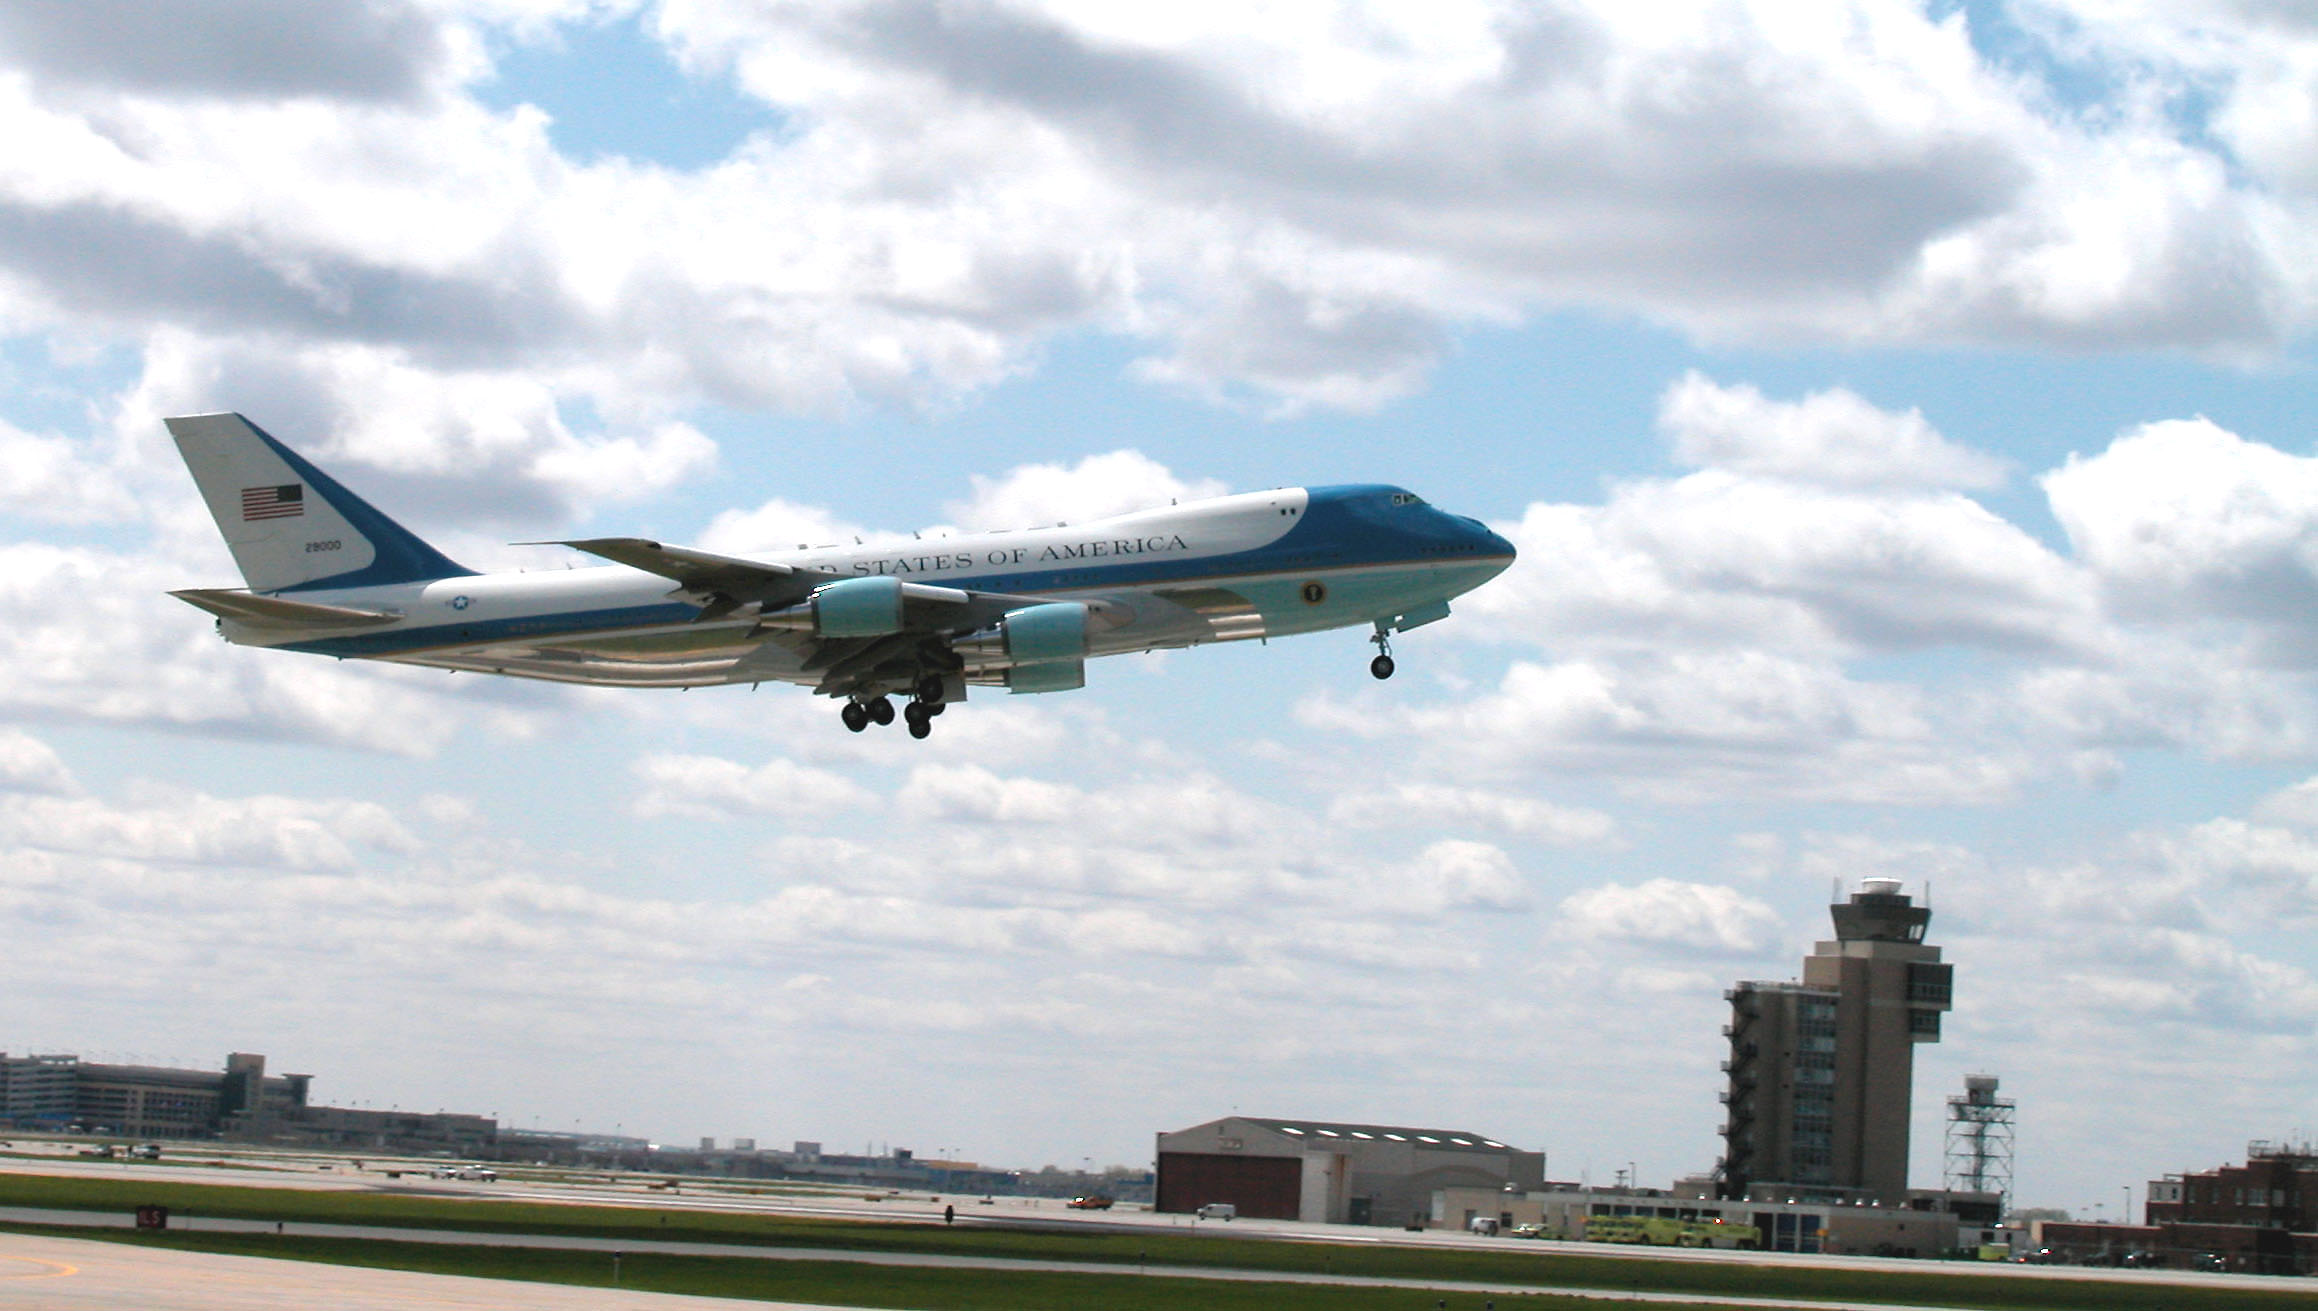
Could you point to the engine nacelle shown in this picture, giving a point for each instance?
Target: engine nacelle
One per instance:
(1050, 676)
(1033, 635)
(858, 607)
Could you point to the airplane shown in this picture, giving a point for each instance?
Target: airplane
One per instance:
(329, 574)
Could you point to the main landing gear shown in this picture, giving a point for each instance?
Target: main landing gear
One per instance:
(918, 714)
(859, 715)
(1382, 665)
(920, 717)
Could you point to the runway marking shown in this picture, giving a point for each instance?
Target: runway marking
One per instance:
(51, 1270)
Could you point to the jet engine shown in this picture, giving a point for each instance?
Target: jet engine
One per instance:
(1051, 676)
(1033, 635)
(869, 606)
(857, 607)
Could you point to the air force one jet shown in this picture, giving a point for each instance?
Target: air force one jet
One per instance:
(329, 574)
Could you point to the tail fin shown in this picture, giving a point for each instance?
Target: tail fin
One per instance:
(291, 527)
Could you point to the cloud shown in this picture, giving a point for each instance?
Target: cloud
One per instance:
(2187, 518)
(1832, 438)
(248, 49)
(1668, 913)
(1443, 805)
(776, 526)
(1457, 874)
(28, 764)
(1303, 211)
(971, 794)
(49, 478)
(706, 787)
(1697, 727)
(1729, 630)
(2295, 806)
(1816, 528)
(266, 832)
(91, 636)
(1098, 486)
(454, 453)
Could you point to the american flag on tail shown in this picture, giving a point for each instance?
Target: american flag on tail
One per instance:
(283, 502)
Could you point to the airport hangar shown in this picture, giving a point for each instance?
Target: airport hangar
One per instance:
(1327, 1173)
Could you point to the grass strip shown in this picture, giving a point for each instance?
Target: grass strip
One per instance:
(1934, 1285)
(844, 1283)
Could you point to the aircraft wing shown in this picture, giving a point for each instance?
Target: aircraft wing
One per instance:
(721, 584)
(931, 615)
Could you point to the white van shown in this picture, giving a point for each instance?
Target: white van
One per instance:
(1218, 1211)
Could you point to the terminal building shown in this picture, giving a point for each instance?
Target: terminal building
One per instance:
(1572, 1212)
(2260, 1217)
(1328, 1173)
(61, 1093)
(1821, 1071)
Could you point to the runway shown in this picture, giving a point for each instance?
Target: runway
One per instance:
(729, 1196)
(61, 1274)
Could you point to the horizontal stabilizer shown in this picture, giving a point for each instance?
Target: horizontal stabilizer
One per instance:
(274, 612)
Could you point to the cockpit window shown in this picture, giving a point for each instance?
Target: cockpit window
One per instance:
(1407, 498)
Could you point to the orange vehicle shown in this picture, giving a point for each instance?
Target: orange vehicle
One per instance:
(1096, 1202)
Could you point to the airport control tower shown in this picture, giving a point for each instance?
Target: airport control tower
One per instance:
(1821, 1070)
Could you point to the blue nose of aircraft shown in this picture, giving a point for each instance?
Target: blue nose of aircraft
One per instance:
(1487, 541)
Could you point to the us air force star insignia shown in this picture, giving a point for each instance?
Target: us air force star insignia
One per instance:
(459, 603)
(1314, 593)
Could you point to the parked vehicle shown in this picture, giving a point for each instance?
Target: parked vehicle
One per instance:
(1653, 1231)
(1217, 1211)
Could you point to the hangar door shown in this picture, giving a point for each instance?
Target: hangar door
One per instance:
(1264, 1187)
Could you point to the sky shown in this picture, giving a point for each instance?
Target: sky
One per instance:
(1901, 411)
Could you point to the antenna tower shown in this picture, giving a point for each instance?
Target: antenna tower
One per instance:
(1980, 1139)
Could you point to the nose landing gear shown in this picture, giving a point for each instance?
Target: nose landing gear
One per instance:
(1382, 666)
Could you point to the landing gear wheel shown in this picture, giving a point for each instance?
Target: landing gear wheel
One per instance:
(1382, 665)
(929, 690)
(881, 710)
(919, 718)
(936, 708)
(856, 717)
